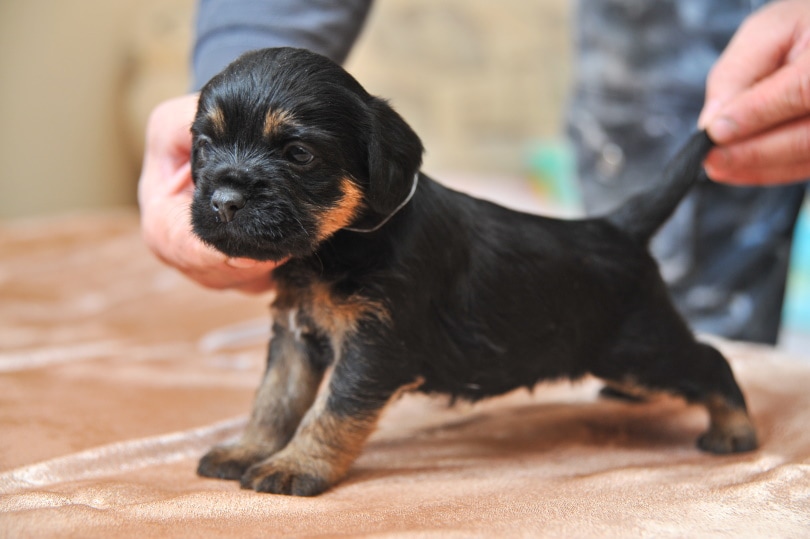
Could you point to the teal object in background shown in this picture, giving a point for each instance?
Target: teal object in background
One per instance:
(796, 314)
(552, 171)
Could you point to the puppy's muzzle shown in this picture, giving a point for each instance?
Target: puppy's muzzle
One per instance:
(226, 202)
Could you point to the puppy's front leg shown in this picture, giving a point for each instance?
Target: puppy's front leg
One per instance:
(329, 438)
(295, 368)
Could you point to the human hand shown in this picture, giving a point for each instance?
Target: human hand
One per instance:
(758, 99)
(165, 191)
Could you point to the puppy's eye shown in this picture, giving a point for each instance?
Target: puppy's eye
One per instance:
(201, 147)
(298, 154)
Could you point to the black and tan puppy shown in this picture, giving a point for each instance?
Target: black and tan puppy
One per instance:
(393, 281)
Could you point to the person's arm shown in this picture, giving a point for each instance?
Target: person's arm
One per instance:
(226, 28)
(758, 99)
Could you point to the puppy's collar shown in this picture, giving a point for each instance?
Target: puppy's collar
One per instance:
(390, 215)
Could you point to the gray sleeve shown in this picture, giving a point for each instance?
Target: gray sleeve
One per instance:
(227, 28)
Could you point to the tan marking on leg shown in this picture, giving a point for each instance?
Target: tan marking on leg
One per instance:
(320, 454)
(286, 393)
(343, 213)
(325, 444)
(730, 428)
(330, 443)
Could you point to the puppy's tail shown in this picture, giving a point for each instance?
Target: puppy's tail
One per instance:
(642, 215)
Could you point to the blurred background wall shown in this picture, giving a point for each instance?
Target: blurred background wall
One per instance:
(479, 80)
(70, 73)
(76, 78)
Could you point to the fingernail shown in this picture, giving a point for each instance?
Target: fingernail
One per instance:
(722, 129)
(241, 263)
(709, 110)
(716, 162)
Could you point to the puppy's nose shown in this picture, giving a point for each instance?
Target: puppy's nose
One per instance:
(226, 202)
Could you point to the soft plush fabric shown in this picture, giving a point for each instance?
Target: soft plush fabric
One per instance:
(116, 374)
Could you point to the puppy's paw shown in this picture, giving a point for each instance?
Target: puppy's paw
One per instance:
(286, 476)
(230, 461)
(720, 441)
(730, 428)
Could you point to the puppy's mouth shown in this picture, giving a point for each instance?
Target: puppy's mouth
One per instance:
(256, 228)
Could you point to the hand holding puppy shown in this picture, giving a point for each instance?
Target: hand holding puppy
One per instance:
(758, 99)
(164, 193)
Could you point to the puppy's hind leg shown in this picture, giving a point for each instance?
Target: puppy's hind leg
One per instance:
(730, 427)
(701, 375)
(658, 353)
(295, 368)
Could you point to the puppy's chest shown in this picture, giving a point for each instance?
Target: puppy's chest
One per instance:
(316, 308)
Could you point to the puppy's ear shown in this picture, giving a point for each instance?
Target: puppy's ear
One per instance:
(394, 157)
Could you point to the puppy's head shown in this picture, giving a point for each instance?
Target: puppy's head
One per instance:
(287, 150)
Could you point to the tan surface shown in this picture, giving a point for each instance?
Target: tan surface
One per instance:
(116, 374)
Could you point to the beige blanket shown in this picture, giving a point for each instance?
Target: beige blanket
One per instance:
(116, 374)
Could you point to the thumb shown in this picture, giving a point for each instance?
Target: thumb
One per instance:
(758, 48)
(761, 79)
(782, 96)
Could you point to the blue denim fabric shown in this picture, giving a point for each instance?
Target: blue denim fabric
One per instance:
(638, 90)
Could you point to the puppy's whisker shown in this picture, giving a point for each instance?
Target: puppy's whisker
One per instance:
(302, 226)
(320, 263)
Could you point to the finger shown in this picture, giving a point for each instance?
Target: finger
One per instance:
(258, 286)
(169, 126)
(257, 279)
(168, 142)
(197, 254)
(166, 219)
(180, 182)
(256, 265)
(242, 263)
(214, 269)
(255, 285)
(781, 97)
(763, 176)
(785, 145)
(758, 48)
(252, 281)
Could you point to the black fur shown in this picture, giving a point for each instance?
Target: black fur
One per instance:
(642, 215)
(473, 299)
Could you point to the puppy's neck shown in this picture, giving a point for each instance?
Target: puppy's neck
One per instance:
(390, 215)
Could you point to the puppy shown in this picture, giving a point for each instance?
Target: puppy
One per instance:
(394, 282)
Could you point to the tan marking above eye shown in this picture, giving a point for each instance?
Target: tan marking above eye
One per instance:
(275, 120)
(217, 119)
